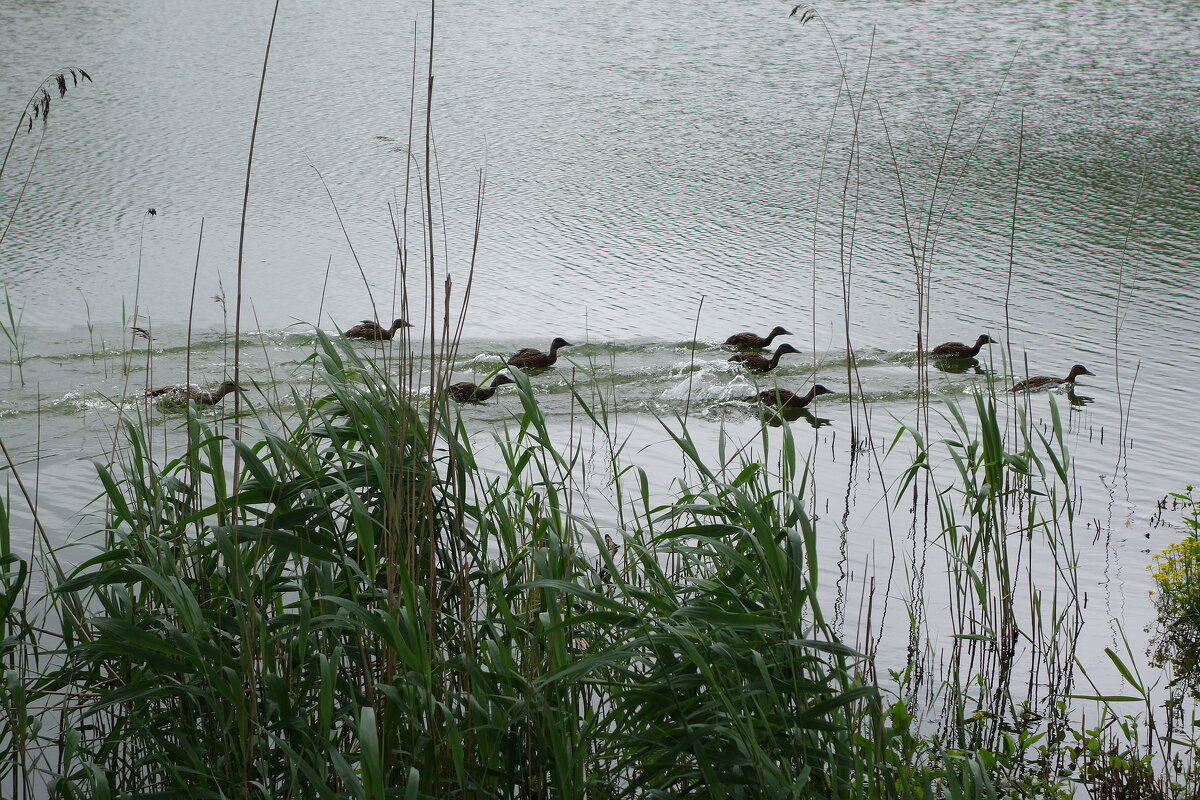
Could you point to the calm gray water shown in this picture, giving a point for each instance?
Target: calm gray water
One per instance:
(651, 169)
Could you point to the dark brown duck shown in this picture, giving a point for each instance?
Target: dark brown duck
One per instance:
(752, 341)
(178, 395)
(532, 358)
(785, 399)
(960, 350)
(467, 392)
(756, 363)
(369, 329)
(1045, 381)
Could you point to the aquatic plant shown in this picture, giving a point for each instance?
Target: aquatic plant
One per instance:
(1176, 573)
(367, 608)
(10, 328)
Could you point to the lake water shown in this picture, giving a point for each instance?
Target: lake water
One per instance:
(654, 173)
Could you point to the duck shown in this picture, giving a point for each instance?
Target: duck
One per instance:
(1045, 381)
(179, 395)
(369, 329)
(785, 399)
(532, 358)
(960, 350)
(467, 392)
(752, 341)
(756, 363)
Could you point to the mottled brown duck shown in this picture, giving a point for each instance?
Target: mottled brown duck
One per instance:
(960, 350)
(1045, 381)
(467, 392)
(532, 358)
(178, 395)
(785, 399)
(369, 329)
(752, 341)
(756, 363)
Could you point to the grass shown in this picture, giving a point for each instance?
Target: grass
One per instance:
(469, 648)
(10, 328)
(367, 612)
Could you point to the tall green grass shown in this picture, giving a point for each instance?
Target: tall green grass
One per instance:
(10, 329)
(376, 613)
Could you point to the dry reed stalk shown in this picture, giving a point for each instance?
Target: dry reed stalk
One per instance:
(237, 352)
(38, 105)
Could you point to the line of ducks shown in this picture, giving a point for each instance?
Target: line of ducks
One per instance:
(946, 351)
(532, 358)
(178, 396)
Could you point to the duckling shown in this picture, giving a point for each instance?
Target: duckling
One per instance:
(960, 350)
(1045, 381)
(178, 395)
(785, 399)
(532, 358)
(751, 341)
(369, 329)
(756, 363)
(467, 392)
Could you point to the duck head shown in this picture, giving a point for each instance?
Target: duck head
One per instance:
(225, 388)
(1077, 370)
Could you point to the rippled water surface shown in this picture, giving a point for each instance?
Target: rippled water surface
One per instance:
(653, 173)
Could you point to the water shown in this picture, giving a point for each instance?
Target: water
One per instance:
(651, 171)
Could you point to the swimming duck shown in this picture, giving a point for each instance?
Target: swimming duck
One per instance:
(467, 392)
(960, 350)
(756, 363)
(785, 399)
(532, 358)
(1044, 381)
(369, 329)
(178, 395)
(751, 341)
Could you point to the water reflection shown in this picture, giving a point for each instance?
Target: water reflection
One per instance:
(961, 366)
(776, 417)
(1078, 400)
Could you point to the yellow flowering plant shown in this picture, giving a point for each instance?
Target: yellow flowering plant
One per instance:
(1176, 573)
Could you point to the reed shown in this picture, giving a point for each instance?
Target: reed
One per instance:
(10, 328)
(37, 107)
(367, 607)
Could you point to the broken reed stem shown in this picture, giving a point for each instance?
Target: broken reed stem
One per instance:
(687, 407)
(346, 235)
(1012, 250)
(1119, 320)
